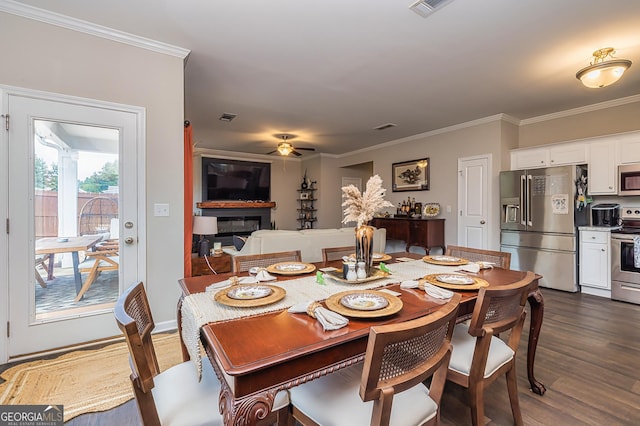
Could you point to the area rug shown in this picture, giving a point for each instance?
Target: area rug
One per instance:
(82, 381)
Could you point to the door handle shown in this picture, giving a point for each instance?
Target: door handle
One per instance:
(128, 240)
(482, 222)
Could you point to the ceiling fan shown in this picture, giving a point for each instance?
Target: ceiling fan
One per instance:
(285, 148)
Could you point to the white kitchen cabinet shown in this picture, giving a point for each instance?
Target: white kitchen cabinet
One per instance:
(595, 262)
(568, 153)
(530, 158)
(603, 168)
(630, 149)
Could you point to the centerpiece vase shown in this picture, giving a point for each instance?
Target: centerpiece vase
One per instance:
(364, 246)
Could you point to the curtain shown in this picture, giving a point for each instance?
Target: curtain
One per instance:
(188, 198)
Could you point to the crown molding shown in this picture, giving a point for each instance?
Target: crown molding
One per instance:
(472, 123)
(57, 19)
(582, 110)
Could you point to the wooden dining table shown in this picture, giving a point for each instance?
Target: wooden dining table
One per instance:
(257, 356)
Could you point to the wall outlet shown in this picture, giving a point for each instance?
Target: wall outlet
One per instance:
(448, 209)
(161, 209)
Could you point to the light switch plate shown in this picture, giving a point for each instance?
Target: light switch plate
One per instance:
(161, 209)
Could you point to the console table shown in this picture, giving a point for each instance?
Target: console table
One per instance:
(426, 233)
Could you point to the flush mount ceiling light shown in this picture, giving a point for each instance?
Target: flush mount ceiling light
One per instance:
(603, 72)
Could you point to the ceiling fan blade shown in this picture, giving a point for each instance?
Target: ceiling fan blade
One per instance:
(296, 153)
(272, 152)
(306, 149)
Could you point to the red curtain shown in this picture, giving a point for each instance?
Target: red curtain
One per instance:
(188, 198)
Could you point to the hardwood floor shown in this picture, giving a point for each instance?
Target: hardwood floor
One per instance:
(588, 358)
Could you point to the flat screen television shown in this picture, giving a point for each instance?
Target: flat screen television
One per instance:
(235, 180)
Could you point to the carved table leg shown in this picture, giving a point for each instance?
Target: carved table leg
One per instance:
(536, 303)
(245, 411)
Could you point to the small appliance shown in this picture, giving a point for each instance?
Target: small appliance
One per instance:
(605, 215)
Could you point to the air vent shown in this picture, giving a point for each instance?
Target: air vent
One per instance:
(227, 116)
(425, 8)
(385, 126)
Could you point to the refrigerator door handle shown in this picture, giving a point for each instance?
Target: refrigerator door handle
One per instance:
(529, 186)
(523, 200)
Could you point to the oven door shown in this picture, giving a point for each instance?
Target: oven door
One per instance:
(622, 264)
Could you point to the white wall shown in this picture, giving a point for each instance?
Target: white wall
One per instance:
(54, 59)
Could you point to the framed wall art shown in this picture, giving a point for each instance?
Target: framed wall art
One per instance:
(410, 175)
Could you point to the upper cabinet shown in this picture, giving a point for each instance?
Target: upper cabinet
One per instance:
(554, 155)
(603, 167)
(629, 148)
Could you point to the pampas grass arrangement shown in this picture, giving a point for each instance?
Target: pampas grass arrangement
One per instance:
(361, 208)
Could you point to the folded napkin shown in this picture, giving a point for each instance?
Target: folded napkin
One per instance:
(432, 290)
(470, 267)
(263, 275)
(329, 319)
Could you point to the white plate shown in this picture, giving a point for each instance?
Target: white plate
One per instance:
(445, 259)
(378, 256)
(455, 279)
(364, 302)
(249, 292)
(291, 267)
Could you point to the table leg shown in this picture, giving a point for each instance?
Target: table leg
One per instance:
(76, 271)
(51, 258)
(183, 348)
(536, 303)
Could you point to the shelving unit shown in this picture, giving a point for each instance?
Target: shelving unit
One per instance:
(307, 210)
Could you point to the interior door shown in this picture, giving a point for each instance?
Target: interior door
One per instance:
(73, 182)
(473, 202)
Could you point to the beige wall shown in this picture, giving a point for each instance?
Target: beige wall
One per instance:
(53, 59)
(617, 119)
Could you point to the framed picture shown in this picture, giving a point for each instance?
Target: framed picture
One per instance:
(304, 195)
(410, 175)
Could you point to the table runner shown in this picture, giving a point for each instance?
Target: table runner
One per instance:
(200, 309)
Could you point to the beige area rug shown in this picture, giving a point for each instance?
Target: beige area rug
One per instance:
(83, 381)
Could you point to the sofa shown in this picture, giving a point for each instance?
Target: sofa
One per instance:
(310, 242)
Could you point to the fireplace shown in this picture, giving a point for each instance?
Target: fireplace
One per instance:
(237, 218)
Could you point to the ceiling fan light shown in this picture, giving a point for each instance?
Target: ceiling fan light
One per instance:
(603, 73)
(285, 148)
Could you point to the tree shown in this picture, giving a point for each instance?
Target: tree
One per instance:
(102, 180)
(45, 176)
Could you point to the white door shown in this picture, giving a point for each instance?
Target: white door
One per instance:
(473, 201)
(73, 183)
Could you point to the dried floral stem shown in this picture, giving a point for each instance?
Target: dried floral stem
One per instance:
(361, 208)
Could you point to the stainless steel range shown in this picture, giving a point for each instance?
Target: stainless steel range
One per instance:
(625, 276)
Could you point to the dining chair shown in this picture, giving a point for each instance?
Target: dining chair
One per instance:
(500, 259)
(336, 253)
(479, 356)
(245, 262)
(40, 262)
(387, 388)
(174, 396)
(96, 262)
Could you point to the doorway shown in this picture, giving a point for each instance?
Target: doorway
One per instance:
(73, 186)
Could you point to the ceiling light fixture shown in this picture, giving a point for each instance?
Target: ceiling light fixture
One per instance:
(603, 72)
(285, 148)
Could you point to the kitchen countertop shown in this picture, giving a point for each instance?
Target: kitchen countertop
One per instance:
(599, 228)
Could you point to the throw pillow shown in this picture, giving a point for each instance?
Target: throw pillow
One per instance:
(238, 242)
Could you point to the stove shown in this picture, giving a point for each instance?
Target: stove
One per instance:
(625, 275)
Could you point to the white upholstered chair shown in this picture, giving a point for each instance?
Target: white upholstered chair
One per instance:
(174, 396)
(387, 388)
(479, 356)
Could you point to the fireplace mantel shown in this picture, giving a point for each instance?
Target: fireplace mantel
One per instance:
(236, 204)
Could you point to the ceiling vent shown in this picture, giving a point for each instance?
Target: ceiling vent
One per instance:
(425, 8)
(227, 116)
(385, 126)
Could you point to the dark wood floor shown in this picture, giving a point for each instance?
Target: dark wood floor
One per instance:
(588, 358)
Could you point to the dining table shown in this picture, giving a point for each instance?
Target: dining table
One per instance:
(50, 246)
(257, 353)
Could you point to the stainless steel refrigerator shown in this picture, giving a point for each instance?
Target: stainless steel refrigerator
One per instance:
(540, 212)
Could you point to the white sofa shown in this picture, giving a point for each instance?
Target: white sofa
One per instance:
(310, 242)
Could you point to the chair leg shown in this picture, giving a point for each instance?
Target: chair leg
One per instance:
(40, 280)
(92, 276)
(512, 386)
(476, 402)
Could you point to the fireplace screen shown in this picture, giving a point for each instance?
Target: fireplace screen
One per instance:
(238, 225)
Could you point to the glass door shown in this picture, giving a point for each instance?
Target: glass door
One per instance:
(72, 206)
